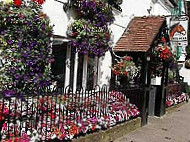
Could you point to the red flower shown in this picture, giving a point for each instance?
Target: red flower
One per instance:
(75, 34)
(93, 127)
(41, 100)
(163, 40)
(39, 1)
(43, 125)
(17, 3)
(17, 139)
(73, 130)
(128, 58)
(10, 134)
(165, 51)
(53, 116)
(1, 118)
(126, 73)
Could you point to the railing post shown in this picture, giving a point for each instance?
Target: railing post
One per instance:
(146, 90)
(160, 108)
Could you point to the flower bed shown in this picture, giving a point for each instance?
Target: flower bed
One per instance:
(63, 117)
(174, 100)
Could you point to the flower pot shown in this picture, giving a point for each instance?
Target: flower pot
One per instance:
(124, 81)
(187, 64)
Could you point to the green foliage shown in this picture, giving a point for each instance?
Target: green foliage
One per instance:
(25, 48)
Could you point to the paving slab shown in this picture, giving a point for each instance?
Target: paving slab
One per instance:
(172, 127)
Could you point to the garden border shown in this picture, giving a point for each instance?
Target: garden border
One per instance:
(174, 107)
(112, 133)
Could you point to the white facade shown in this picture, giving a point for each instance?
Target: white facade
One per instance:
(130, 8)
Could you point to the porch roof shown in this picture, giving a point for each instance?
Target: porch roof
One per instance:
(140, 34)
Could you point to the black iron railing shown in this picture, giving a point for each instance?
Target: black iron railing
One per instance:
(65, 114)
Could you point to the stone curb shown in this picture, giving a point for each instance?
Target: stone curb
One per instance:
(174, 108)
(112, 133)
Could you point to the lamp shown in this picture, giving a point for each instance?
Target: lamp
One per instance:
(148, 58)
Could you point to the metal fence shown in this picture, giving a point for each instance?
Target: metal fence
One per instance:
(55, 113)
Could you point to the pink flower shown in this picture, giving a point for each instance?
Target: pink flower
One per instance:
(4, 128)
(5, 111)
(9, 140)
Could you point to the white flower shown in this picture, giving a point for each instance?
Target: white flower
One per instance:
(53, 136)
(98, 127)
(79, 124)
(28, 133)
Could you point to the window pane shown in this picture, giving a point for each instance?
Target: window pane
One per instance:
(91, 73)
(58, 66)
(80, 70)
(72, 63)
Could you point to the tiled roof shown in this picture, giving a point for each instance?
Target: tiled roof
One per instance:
(139, 34)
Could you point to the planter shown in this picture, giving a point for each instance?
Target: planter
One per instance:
(112, 133)
(187, 64)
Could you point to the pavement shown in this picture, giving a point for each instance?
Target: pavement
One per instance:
(172, 127)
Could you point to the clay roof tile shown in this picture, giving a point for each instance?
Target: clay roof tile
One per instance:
(140, 34)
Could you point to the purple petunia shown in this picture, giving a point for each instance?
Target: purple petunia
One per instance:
(3, 32)
(31, 44)
(16, 76)
(8, 93)
(19, 44)
(9, 42)
(28, 23)
(25, 55)
(43, 27)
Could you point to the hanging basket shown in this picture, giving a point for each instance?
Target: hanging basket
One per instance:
(187, 64)
(163, 53)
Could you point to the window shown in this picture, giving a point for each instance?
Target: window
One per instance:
(91, 73)
(80, 70)
(72, 69)
(58, 66)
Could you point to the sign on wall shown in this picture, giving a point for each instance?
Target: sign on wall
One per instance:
(179, 30)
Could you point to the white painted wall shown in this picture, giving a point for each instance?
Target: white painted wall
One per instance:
(58, 17)
(104, 70)
(160, 9)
